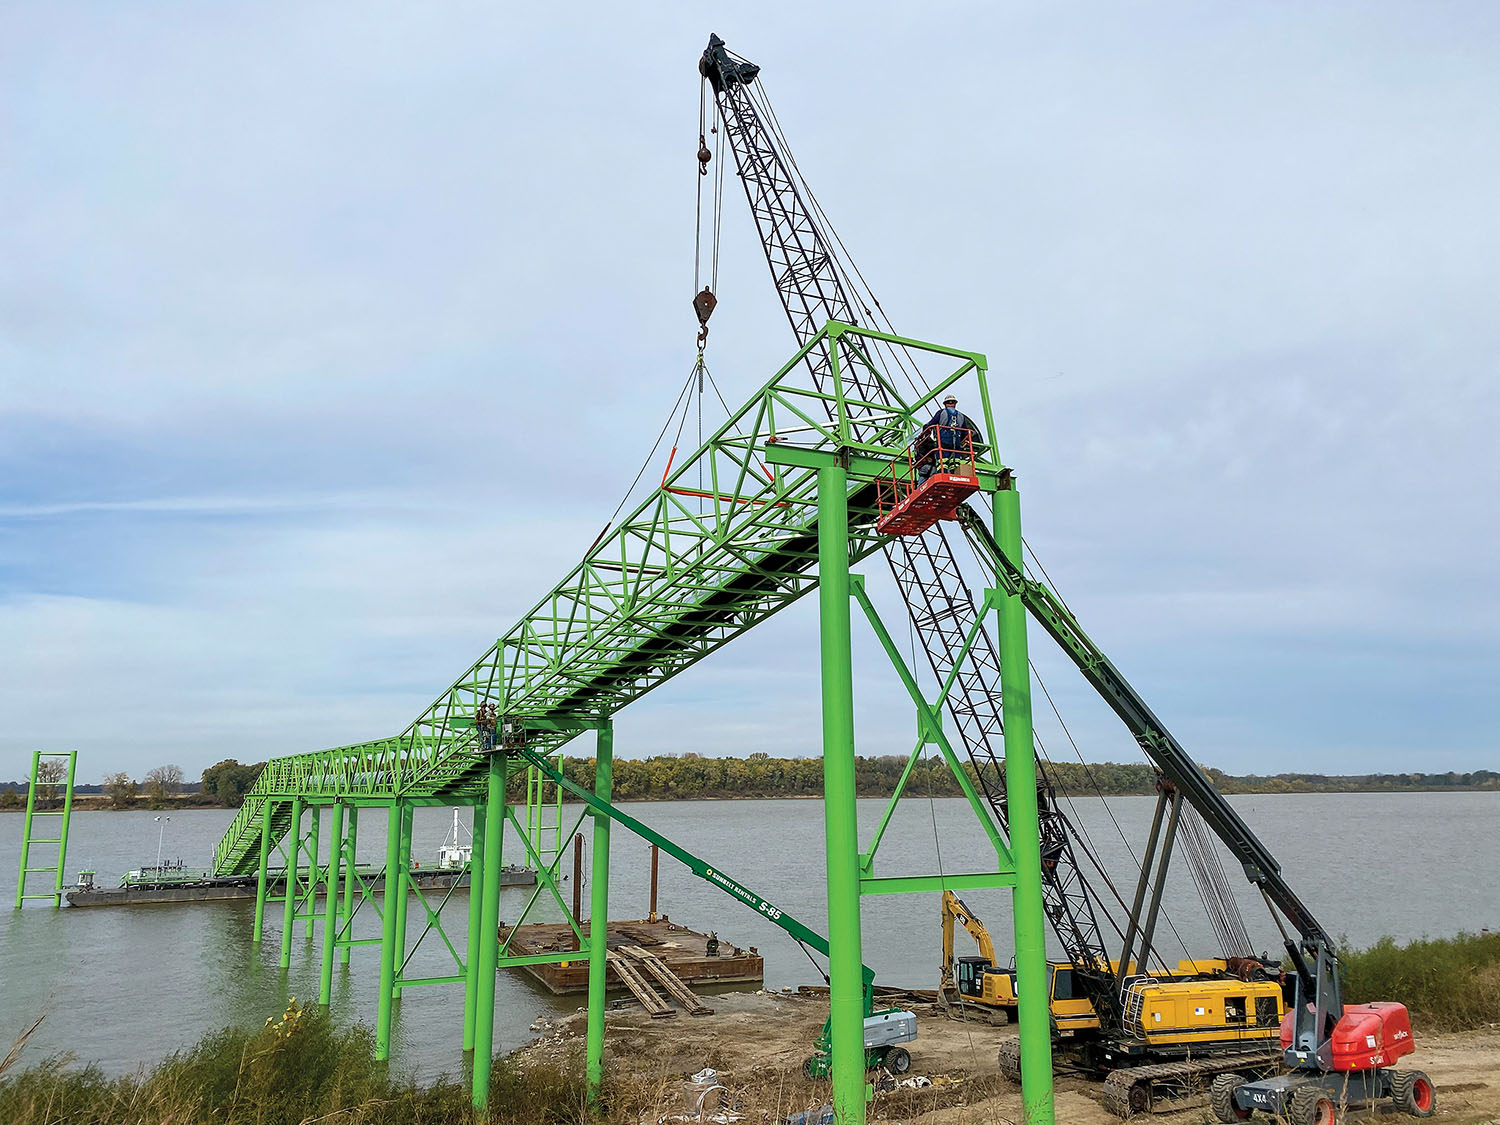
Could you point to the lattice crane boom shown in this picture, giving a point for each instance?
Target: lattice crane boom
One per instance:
(814, 288)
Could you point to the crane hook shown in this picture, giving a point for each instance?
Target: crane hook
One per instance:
(704, 156)
(704, 304)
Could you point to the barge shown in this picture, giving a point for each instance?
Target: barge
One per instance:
(154, 886)
(173, 882)
(694, 957)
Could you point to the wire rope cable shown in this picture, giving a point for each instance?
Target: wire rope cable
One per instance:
(676, 405)
(698, 193)
(839, 258)
(1220, 905)
(1204, 861)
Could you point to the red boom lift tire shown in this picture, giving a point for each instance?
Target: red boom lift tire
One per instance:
(1413, 1093)
(1311, 1106)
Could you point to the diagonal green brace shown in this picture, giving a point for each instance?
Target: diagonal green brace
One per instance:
(867, 859)
(930, 720)
(546, 876)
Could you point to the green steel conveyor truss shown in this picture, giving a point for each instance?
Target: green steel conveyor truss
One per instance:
(680, 577)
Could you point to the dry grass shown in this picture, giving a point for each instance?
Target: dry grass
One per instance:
(294, 1070)
(13, 1055)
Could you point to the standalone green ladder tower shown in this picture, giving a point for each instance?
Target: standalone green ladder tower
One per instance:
(64, 814)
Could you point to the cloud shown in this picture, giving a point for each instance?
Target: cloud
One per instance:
(186, 505)
(325, 350)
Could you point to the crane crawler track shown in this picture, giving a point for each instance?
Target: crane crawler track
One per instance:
(1160, 1087)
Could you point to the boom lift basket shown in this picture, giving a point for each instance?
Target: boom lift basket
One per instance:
(908, 503)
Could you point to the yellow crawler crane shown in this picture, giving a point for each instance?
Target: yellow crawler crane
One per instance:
(1150, 1043)
(1198, 1009)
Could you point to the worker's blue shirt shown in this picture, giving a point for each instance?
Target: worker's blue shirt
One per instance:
(951, 423)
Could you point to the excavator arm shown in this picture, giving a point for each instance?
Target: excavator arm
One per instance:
(956, 910)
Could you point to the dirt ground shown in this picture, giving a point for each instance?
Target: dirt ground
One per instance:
(757, 1042)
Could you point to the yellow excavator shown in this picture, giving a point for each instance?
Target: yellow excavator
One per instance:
(976, 980)
(1199, 1006)
(979, 980)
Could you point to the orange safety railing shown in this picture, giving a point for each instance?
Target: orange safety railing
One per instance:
(937, 452)
(717, 496)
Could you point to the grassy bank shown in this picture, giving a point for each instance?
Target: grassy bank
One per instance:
(297, 1068)
(1448, 984)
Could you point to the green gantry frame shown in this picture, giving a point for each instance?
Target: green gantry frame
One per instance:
(64, 817)
(780, 500)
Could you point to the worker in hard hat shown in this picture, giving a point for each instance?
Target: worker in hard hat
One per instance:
(951, 435)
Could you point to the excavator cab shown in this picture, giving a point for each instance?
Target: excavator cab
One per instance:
(928, 482)
(969, 975)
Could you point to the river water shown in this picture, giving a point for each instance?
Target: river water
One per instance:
(125, 986)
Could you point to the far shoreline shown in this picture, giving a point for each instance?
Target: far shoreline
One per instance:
(93, 803)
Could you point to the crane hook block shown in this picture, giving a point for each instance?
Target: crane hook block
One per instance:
(704, 304)
(704, 156)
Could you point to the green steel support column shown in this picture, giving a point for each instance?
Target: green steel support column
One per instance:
(476, 932)
(557, 842)
(841, 831)
(313, 848)
(36, 762)
(402, 892)
(489, 926)
(387, 934)
(533, 803)
(293, 860)
(536, 838)
(260, 877)
(67, 817)
(331, 901)
(1025, 833)
(351, 858)
(604, 772)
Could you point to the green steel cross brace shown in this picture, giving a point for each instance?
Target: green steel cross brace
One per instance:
(930, 726)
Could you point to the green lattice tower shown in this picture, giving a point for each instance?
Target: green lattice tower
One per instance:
(64, 815)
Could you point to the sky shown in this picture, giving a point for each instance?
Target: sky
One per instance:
(330, 338)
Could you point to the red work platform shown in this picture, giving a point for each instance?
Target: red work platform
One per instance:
(907, 510)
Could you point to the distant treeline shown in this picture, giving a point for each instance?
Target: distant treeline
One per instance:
(681, 776)
(222, 785)
(760, 775)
